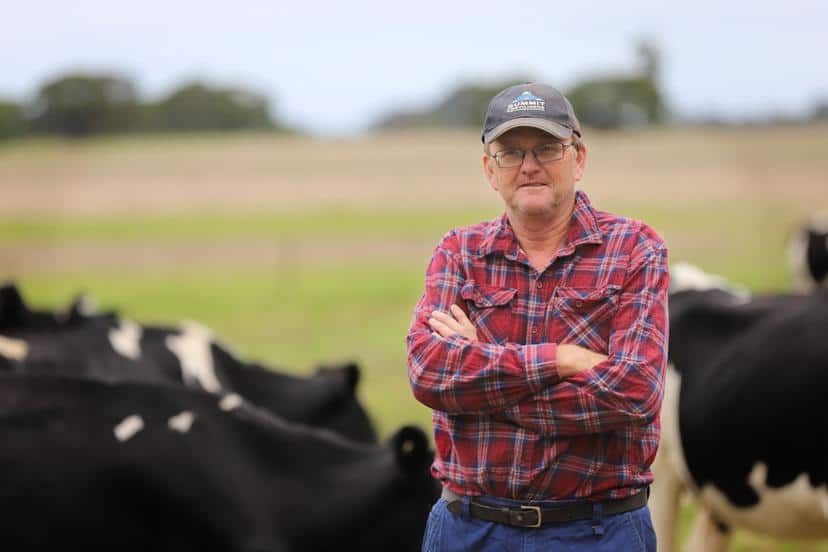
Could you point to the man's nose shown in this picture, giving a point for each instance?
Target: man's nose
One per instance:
(530, 162)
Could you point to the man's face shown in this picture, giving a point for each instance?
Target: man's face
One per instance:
(534, 189)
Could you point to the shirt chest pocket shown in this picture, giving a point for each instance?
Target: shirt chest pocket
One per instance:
(584, 316)
(490, 310)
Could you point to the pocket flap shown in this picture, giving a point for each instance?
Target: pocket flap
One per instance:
(483, 295)
(585, 298)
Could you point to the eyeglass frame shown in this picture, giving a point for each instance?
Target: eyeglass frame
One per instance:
(523, 153)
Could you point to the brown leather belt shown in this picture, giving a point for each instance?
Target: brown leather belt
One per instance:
(529, 515)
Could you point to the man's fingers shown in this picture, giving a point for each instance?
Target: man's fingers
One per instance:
(440, 327)
(446, 319)
(447, 325)
(459, 314)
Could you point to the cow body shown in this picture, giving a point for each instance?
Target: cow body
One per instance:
(112, 349)
(132, 466)
(742, 416)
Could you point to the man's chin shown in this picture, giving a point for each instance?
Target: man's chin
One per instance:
(536, 208)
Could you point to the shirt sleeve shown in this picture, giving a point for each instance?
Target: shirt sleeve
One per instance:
(628, 387)
(456, 375)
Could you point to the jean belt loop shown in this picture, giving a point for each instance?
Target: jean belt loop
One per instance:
(466, 513)
(597, 519)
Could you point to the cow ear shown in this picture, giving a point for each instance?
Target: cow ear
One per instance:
(351, 371)
(82, 307)
(410, 445)
(12, 307)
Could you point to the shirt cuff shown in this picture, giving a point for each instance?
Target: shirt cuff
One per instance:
(541, 362)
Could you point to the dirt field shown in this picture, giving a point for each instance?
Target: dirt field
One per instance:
(260, 172)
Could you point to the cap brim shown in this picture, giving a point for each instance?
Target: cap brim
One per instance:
(555, 129)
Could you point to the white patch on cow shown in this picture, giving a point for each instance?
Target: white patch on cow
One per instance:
(15, 349)
(705, 535)
(181, 422)
(128, 427)
(796, 510)
(126, 339)
(819, 222)
(671, 476)
(685, 276)
(230, 402)
(796, 254)
(192, 347)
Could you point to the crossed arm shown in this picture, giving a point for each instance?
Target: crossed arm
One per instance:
(570, 358)
(550, 388)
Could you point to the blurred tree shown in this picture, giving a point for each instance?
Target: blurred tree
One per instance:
(195, 106)
(79, 105)
(820, 112)
(464, 107)
(12, 121)
(622, 101)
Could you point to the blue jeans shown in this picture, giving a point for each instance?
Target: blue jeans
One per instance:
(627, 532)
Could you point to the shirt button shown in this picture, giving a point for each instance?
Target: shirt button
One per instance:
(534, 331)
(539, 284)
(579, 304)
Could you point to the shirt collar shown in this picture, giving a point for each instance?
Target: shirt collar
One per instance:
(583, 229)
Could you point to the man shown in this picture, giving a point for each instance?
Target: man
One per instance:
(540, 344)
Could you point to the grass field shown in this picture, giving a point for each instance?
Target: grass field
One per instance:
(298, 251)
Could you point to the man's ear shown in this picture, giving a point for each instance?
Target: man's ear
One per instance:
(580, 162)
(489, 168)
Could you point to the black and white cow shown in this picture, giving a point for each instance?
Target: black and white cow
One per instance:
(16, 316)
(808, 253)
(109, 348)
(89, 465)
(743, 414)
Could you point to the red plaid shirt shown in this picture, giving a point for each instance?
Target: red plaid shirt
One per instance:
(505, 423)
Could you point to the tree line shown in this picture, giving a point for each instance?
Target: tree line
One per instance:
(79, 104)
(610, 101)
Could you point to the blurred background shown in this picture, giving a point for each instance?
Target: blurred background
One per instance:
(282, 171)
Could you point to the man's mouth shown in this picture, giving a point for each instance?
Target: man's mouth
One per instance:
(532, 185)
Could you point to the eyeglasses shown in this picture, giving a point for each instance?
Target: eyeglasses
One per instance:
(545, 153)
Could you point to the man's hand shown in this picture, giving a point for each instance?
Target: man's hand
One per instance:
(444, 324)
(573, 359)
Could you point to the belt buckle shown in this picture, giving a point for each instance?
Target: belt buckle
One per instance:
(537, 510)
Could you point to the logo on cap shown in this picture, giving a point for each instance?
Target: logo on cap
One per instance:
(526, 102)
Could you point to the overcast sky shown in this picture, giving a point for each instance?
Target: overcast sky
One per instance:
(335, 67)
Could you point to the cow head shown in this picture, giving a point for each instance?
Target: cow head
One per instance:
(344, 413)
(397, 520)
(807, 253)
